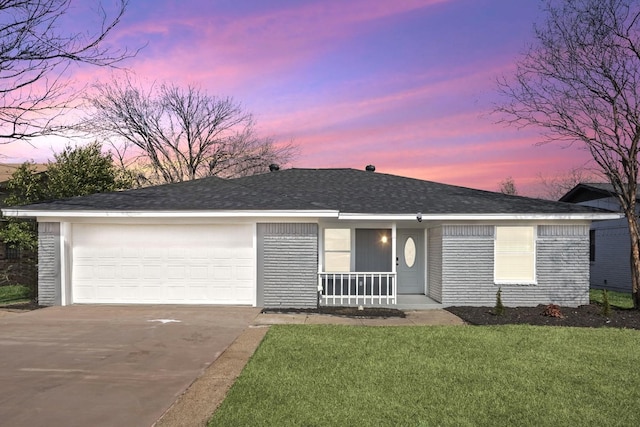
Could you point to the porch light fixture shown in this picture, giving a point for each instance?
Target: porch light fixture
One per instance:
(384, 239)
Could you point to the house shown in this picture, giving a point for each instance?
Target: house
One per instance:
(299, 237)
(610, 245)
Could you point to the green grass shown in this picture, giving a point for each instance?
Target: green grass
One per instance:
(14, 293)
(305, 375)
(616, 299)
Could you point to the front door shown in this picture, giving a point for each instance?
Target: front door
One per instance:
(410, 261)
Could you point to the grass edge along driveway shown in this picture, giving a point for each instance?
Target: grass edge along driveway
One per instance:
(449, 376)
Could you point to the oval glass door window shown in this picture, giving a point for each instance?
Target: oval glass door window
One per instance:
(410, 252)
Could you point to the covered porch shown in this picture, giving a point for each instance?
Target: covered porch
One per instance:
(374, 266)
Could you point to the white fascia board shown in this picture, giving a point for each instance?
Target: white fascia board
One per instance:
(23, 213)
(596, 216)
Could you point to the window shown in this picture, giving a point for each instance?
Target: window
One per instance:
(592, 245)
(337, 249)
(410, 252)
(515, 255)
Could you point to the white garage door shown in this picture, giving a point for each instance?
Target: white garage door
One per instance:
(172, 264)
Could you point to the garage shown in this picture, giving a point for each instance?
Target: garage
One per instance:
(163, 264)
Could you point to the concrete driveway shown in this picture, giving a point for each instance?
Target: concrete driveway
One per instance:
(88, 365)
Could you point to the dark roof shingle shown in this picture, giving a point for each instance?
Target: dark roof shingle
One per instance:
(345, 190)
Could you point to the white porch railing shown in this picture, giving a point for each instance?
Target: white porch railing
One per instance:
(357, 288)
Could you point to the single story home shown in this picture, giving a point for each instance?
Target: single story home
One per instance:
(302, 237)
(610, 243)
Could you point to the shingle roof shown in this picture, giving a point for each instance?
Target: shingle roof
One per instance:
(345, 190)
(586, 191)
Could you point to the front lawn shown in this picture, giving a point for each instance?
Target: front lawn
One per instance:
(14, 293)
(616, 299)
(304, 375)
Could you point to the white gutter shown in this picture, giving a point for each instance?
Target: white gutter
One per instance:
(475, 217)
(25, 213)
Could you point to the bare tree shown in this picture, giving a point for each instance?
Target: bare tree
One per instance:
(557, 185)
(36, 49)
(508, 186)
(173, 134)
(580, 83)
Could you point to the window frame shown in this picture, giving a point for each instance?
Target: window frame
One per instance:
(532, 253)
(343, 251)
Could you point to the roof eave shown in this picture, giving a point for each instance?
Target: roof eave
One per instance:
(26, 213)
(592, 216)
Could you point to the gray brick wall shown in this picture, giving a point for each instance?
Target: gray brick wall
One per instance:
(467, 271)
(563, 265)
(287, 265)
(49, 263)
(562, 269)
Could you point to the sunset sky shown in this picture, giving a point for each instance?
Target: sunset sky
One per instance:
(406, 85)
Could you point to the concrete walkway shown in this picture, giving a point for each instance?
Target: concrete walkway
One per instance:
(196, 406)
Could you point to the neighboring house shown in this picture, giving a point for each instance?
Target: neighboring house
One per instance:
(289, 238)
(610, 245)
(16, 266)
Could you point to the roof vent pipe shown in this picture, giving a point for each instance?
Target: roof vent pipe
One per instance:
(370, 168)
(273, 167)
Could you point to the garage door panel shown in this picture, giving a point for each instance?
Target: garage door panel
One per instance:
(152, 271)
(199, 272)
(212, 264)
(176, 272)
(107, 293)
(222, 273)
(128, 271)
(244, 273)
(153, 254)
(84, 292)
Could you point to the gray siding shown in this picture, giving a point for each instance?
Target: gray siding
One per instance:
(49, 263)
(434, 264)
(611, 268)
(287, 265)
(562, 268)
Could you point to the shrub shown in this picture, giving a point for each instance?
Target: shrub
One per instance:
(498, 310)
(606, 307)
(553, 310)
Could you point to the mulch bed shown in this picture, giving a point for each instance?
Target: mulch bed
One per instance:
(589, 316)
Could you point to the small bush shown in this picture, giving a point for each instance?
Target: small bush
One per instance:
(498, 310)
(606, 306)
(553, 310)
